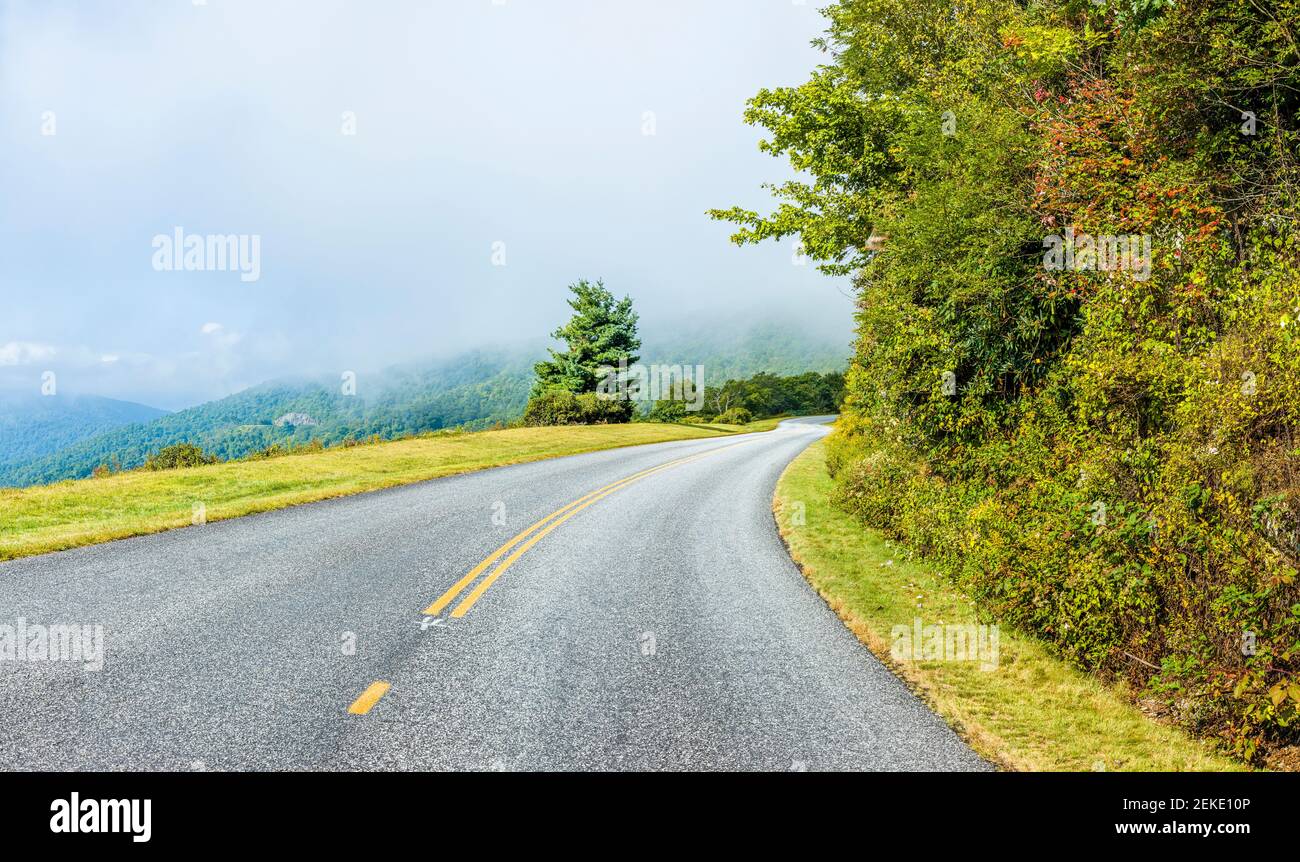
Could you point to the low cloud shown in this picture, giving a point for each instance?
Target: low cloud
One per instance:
(25, 353)
(219, 361)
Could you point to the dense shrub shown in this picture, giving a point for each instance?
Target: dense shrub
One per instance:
(1107, 458)
(559, 407)
(735, 416)
(179, 455)
(667, 411)
(595, 410)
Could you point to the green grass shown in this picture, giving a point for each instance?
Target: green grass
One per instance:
(87, 511)
(1034, 712)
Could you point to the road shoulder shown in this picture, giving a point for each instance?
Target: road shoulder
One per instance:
(1030, 712)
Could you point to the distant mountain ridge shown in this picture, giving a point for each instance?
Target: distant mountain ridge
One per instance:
(34, 426)
(475, 390)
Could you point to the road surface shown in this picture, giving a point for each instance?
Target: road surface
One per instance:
(655, 622)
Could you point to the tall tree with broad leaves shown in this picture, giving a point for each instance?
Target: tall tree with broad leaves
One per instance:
(601, 332)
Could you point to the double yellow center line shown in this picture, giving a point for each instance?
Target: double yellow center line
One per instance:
(516, 548)
(520, 544)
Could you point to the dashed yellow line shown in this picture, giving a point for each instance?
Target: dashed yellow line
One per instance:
(537, 532)
(369, 698)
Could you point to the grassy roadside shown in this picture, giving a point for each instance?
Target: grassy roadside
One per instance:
(1034, 712)
(87, 511)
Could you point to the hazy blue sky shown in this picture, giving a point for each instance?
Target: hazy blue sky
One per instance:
(476, 123)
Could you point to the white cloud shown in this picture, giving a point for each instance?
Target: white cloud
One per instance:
(219, 337)
(225, 362)
(25, 353)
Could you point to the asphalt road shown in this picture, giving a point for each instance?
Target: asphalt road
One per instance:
(658, 625)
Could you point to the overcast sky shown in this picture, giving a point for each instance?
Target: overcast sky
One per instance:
(567, 139)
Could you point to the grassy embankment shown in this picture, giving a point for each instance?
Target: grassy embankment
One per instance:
(1034, 712)
(87, 511)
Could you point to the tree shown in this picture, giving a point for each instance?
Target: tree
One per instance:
(601, 332)
(720, 399)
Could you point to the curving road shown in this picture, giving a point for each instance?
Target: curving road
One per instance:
(655, 623)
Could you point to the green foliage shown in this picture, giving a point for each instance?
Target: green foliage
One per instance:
(601, 332)
(179, 455)
(1103, 459)
(559, 407)
(734, 416)
(765, 394)
(667, 411)
(762, 395)
(825, 124)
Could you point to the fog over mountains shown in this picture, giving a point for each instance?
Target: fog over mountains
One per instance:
(405, 202)
(45, 439)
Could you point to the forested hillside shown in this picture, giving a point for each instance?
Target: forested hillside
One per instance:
(477, 390)
(474, 391)
(1072, 227)
(32, 426)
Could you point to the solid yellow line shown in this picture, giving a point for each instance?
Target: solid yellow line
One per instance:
(369, 698)
(456, 588)
(478, 591)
